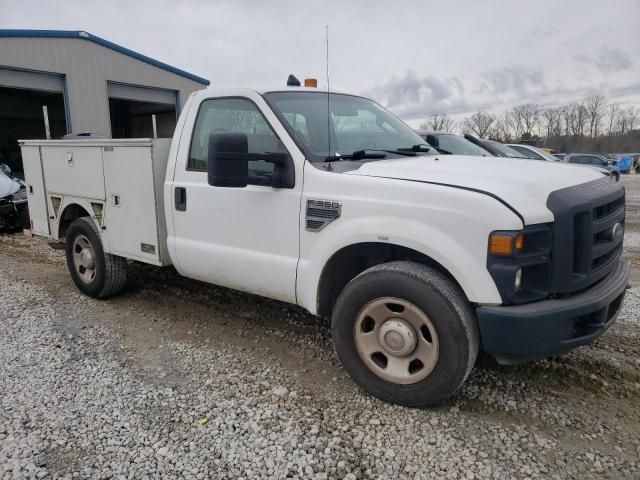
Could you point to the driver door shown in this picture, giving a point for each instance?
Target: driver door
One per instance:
(243, 238)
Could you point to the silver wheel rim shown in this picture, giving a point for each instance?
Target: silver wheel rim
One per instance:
(396, 340)
(84, 259)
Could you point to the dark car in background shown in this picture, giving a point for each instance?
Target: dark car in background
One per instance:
(496, 149)
(591, 160)
(450, 143)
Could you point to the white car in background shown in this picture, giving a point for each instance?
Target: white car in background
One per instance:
(536, 153)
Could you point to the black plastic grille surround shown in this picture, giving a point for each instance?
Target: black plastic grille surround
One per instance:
(587, 233)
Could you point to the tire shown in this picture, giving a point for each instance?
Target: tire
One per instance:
(102, 277)
(452, 329)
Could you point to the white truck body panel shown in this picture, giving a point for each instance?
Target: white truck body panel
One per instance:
(117, 182)
(36, 193)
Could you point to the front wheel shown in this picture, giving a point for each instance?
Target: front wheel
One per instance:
(405, 333)
(94, 272)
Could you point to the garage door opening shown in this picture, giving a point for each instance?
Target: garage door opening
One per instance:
(133, 119)
(21, 118)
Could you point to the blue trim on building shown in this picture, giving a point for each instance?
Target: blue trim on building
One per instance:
(100, 41)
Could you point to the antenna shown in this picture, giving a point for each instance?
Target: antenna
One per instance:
(326, 30)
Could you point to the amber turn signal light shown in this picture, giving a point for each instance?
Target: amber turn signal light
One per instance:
(503, 244)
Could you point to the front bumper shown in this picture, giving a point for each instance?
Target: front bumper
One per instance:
(518, 333)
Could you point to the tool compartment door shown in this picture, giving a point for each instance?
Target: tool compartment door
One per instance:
(74, 170)
(131, 219)
(36, 195)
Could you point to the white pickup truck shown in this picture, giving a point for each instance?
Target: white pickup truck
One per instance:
(419, 258)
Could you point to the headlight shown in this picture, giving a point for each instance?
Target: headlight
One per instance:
(513, 255)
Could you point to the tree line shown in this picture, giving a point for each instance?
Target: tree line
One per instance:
(592, 125)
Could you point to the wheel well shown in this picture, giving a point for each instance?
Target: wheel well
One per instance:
(70, 213)
(350, 261)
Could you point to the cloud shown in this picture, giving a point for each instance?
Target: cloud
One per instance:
(607, 59)
(516, 78)
(413, 96)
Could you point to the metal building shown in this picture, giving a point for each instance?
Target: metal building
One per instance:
(88, 84)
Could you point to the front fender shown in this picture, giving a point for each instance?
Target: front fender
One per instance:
(465, 260)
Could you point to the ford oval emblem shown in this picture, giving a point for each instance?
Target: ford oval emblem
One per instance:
(617, 232)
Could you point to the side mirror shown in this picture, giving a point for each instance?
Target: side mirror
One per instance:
(228, 163)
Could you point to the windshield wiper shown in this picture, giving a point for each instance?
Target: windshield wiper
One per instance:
(420, 147)
(370, 153)
(442, 150)
(357, 155)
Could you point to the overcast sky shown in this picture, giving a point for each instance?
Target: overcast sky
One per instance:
(415, 57)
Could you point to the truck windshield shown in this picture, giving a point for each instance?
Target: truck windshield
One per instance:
(354, 124)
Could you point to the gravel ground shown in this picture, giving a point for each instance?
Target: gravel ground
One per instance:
(178, 379)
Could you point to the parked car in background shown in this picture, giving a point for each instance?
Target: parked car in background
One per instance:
(534, 153)
(591, 160)
(450, 143)
(14, 214)
(559, 156)
(496, 149)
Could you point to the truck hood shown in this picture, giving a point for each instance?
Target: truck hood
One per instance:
(523, 184)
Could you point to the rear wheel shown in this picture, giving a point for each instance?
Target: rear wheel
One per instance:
(94, 272)
(405, 333)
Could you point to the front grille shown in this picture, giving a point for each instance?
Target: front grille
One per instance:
(604, 247)
(587, 233)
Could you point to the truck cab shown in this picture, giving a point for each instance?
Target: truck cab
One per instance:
(330, 202)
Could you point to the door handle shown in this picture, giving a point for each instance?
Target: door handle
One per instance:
(180, 199)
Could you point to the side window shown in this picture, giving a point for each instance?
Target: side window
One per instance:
(237, 115)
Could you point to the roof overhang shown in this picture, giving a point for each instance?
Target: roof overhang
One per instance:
(80, 34)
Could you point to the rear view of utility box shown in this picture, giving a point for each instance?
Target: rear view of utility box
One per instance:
(119, 183)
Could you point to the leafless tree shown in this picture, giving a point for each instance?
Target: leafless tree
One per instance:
(500, 131)
(612, 114)
(552, 118)
(529, 114)
(595, 106)
(576, 119)
(479, 123)
(513, 123)
(438, 122)
(632, 118)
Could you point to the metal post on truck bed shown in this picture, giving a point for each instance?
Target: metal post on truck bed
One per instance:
(45, 114)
